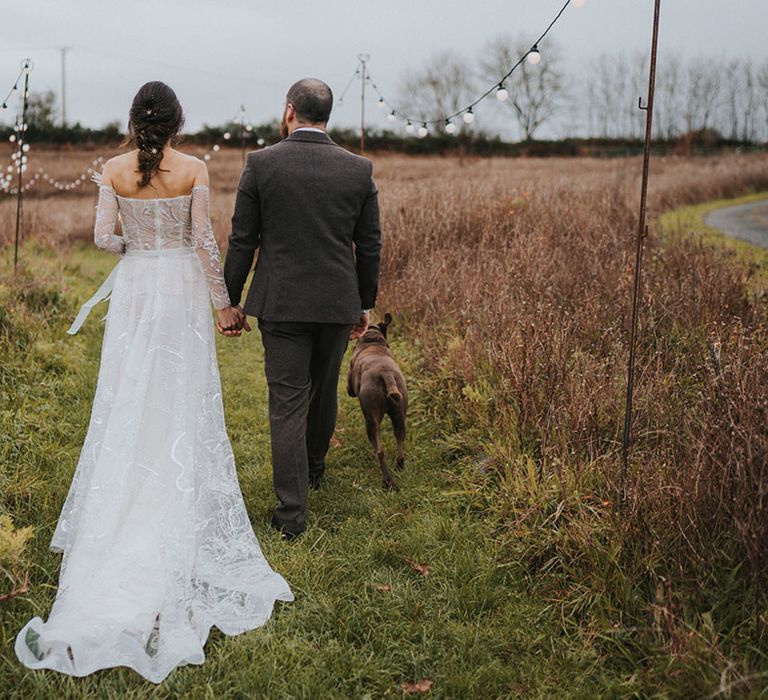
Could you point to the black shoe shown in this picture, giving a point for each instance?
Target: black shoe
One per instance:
(315, 480)
(287, 533)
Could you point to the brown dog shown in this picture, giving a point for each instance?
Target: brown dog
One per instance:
(378, 383)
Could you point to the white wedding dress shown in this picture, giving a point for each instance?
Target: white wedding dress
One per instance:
(156, 541)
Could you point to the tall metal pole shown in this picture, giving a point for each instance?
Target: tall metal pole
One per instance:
(63, 51)
(27, 64)
(642, 232)
(363, 58)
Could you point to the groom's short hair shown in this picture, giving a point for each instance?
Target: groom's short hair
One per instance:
(312, 99)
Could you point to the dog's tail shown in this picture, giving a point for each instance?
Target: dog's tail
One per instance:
(390, 386)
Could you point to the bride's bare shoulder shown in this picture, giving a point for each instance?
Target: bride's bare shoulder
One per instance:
(118, 164)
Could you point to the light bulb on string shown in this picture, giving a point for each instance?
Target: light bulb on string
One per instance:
(391, 117)
(469, 116)
(534, 56)
(12, 138)
(423, 130)
(227, 136)
(502, 95)
(207, 156)
(450, 127)
(216, 147)
(381, 103)
(409, 128)
(260, 142)
(579, 3)
(25, 148)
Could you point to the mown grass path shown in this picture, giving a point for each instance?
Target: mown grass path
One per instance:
(365, 620)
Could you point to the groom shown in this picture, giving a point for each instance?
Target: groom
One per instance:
(311, 209)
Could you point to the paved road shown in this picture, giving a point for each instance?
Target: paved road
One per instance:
(747, 222)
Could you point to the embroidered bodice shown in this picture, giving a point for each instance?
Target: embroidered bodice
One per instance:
(163, 224)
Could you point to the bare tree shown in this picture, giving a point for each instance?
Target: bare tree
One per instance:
(536, 93)
(749, 103)
(669, 87)
(704, 90)
(613, 84)
(762, 81)
(441, 87)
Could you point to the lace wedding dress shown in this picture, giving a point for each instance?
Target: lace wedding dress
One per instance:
(157, 545)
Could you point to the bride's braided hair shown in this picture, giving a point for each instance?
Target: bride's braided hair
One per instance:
(155, 118)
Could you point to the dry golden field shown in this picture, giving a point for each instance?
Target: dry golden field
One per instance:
(61, 216)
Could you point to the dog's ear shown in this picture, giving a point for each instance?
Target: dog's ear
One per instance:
(387, 318)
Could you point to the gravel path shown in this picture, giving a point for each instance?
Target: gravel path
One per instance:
(747, 222)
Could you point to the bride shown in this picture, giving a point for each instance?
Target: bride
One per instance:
(156, 542)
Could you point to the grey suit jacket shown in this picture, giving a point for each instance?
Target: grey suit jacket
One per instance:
(311, 209)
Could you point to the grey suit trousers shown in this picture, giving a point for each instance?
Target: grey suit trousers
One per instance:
(302, 363)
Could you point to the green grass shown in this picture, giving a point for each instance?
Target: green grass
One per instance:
(364, 620)
(497, 616)
(689, 221)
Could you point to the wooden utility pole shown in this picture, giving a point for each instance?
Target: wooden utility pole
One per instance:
(363, 58)
(242, 134)
(63, 50)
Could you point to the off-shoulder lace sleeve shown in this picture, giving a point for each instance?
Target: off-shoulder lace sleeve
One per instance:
(207, 250)
(106, 219)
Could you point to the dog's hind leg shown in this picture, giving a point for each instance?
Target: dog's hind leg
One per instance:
(397, 416)
(373, 428)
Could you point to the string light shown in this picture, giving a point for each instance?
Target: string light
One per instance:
(356, 74)
(450, 127)
(26, 68)
(381, 103)
(423, 131)
(409, 128)
(533, 56)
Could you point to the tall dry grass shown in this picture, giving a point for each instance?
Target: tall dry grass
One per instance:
(518, 287)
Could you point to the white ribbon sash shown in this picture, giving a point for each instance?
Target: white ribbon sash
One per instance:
(102, 294)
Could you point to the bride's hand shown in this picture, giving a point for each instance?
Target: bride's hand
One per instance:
(229, 321)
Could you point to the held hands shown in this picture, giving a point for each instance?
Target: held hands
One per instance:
(359, 329)
(231, 321)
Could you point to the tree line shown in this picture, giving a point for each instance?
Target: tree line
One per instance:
(693, 94)
(699, 99)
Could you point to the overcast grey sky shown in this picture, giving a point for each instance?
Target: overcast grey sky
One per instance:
(217, 55)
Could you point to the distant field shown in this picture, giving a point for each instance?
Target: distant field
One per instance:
(60, 216)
